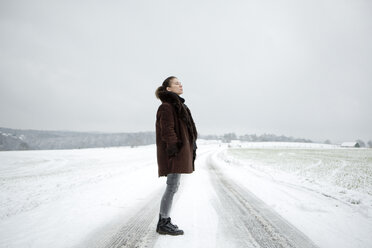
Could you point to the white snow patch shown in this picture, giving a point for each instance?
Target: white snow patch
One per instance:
(298, 189)
(59, 198)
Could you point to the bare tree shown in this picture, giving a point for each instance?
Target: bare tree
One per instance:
(370, 143)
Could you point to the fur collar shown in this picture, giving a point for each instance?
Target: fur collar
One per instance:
(182, 111)
(170, 97)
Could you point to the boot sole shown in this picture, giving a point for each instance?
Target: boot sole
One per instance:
(165, 233)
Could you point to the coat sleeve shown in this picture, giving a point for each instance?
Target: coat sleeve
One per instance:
(166, 119)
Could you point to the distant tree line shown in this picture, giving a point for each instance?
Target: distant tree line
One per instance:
(15, 139)
(362, 144)
(228, 137)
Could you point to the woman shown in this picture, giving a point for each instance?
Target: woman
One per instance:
(176, 146)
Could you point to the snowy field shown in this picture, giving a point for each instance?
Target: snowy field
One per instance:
(306, 195)
(347, 171)
(324, 190)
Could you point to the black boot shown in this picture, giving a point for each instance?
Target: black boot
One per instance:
(165, 226)
(157, 226)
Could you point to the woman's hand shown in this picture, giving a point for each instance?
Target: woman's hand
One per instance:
(172, 149)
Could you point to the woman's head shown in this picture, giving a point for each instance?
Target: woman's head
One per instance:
(171, 84)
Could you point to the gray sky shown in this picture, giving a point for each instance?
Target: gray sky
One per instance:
(297, 68)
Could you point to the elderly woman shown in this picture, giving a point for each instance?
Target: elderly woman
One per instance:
(176, 146)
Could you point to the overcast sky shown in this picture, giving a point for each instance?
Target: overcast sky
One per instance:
(297, 68)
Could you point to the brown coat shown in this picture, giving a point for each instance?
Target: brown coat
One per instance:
(175, 128)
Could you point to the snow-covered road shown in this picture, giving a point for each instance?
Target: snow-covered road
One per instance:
(249, 220)
(110, 198)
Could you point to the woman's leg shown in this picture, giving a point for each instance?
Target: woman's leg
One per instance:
(173, 181)
(165, 225)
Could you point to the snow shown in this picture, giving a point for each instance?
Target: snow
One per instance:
(5, 134)
(63, 198)
(55, 198)
(349, 144)
(326, 193)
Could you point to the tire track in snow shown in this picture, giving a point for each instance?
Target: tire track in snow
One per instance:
(249, 220)
(136, 232)
(139, 231)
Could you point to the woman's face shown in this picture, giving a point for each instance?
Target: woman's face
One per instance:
(175, 86)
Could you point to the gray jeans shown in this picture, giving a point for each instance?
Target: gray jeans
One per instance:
(173, 181)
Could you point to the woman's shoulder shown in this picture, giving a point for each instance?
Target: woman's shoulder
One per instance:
(165, 106)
